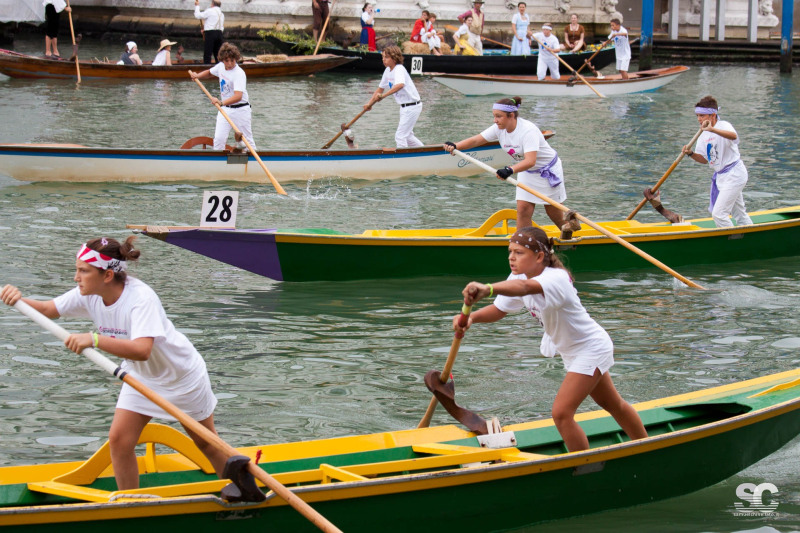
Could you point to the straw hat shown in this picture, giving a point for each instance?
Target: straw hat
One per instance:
(165, 43)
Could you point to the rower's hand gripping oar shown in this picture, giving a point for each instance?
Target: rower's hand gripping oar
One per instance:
(347, 127)
(448, 366)
(658, 184)
(272, 179)
(570, 68)
(604, 231)
(589, 61)
(213, 439)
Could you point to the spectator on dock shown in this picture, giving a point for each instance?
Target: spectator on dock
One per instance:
(466, 42)
(622, 47)
(419, 27)
(367, 26)
(431, 36)
(213, 26)
(574, 35)
(520, 43)
(52, 15)
(475, 25)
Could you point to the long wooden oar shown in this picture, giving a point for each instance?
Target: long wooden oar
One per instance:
(329, 143)
(454, 29)
(74, 44)
(212, 438)
(246, 142)
(658, 184)
(588, 61)
(570, 68)
(448, 366)
(604, 231)
(324, 27)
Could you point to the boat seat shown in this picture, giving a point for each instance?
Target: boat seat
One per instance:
(205, 142)
(504, 215)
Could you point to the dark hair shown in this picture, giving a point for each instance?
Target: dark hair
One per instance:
(426, 12)
(228, 51)
(551, 259)
(708, 101)
(116, 250)
(394, 53)
(522, 4)
(514, 100)
(431, 16)
(616, 21)
(365, 6)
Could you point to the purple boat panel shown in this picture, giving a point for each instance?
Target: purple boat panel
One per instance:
(255, 252)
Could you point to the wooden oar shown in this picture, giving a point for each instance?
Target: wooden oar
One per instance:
(571, 69)
(454, 29)
(448, 366)
(246, 142)
(604, 231)
(588, 61)
(324, 26)
(658, 184)
(74, 44)
(329, 143)
(212, 438)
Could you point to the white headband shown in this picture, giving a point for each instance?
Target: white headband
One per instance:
(101, 261)
(547, 27)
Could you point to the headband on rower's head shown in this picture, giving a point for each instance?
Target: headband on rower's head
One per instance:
(101, 261)
(505, 107)
(547, 27)
(530, 242)
(705, 111)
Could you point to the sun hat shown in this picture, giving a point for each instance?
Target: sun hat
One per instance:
(165, 43)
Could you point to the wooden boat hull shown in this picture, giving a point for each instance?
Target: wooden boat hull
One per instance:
(74, 163)
(481, 85)
(481, 252)
(429, 63)
(23, 66)
(370, 482)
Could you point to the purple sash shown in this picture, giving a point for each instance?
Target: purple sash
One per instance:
(545, 172)
(714, 190)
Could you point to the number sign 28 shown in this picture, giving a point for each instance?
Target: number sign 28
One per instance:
(219, 209)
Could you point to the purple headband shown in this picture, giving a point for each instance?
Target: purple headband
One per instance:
(505, 107)
(705, 111)
(529, 242)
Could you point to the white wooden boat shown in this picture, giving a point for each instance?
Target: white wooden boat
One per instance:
(484, 84)
(76, 163)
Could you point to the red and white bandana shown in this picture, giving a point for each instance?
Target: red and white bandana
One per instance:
(101, 261)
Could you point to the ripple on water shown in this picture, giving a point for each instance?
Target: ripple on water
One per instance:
(66, 440)
(35, 360)
(789, 342)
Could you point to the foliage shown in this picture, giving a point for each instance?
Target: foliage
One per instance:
(303, 43)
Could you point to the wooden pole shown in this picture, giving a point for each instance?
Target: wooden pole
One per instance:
(329, 143)
(324, 27)
(74, 44)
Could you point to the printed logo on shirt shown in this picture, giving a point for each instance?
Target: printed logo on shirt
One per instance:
(711, 153)
(112, 332)
(514, 154)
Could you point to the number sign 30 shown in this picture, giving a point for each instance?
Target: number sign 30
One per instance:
(219, 209)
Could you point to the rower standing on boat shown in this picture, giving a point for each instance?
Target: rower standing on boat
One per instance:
(548, 48)
(233, 96)
(398, 82)
(538, 165)
(540, 282)
(52, 15)
(622, 47)
(213, 26)
(132, 324)
(718, 146)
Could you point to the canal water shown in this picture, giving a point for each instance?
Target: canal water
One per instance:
(295, 361)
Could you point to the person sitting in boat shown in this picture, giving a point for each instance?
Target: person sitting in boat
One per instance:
(233, 96)
(538, 165)
(367, 26)
(131, 324)
(163, 56)
(131, 55)
(718, 146)
(574, 35)
(540, 283)
(52, 16)
(520, 44)
(466, 42)
(548, 48)
(475, 25)
(622, 47)
(419, 27)
(431, 36)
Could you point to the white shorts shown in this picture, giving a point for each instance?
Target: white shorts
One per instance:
(535, 181)
(194, 398)
(623, 64)
(587, 364)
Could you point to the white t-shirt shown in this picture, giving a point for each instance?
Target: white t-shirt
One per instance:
(161, 58)
(568, 327)
(721, 152)
(231, 80)
(526, 137)
(213, 19)
(138, 313)
(408, 94)
(58, 4)
(551, 42)
(622, 46)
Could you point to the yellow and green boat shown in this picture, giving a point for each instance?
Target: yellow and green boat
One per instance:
(472, 252)
(423, 479)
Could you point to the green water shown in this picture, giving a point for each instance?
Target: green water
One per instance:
(303, 361)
